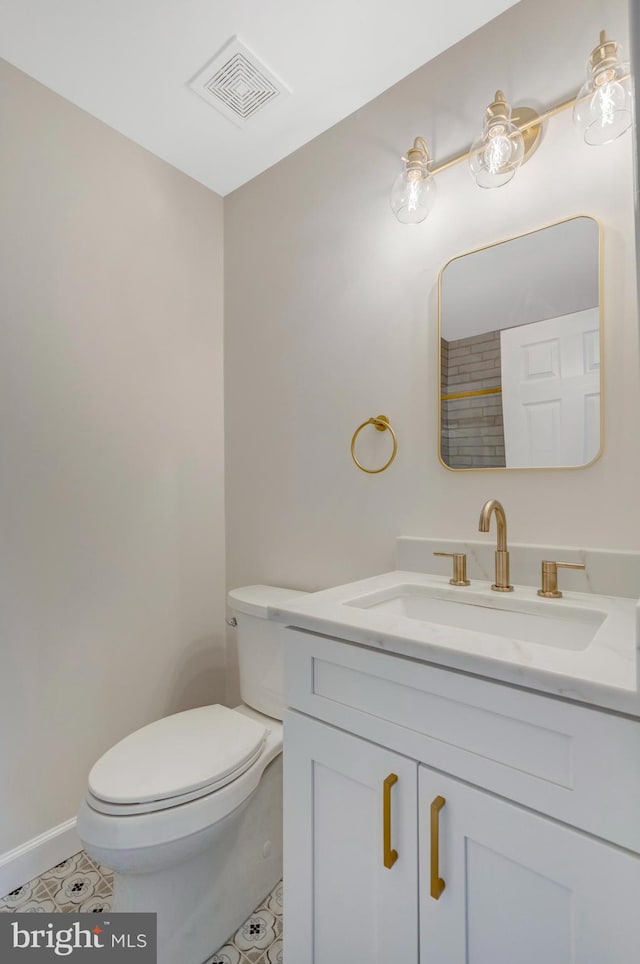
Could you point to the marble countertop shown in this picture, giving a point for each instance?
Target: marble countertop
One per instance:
(603, 673)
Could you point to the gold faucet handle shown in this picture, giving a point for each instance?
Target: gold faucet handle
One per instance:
(459, 567)
(550, 577)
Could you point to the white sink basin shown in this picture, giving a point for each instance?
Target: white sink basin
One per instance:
(582, 646)
(526, 621)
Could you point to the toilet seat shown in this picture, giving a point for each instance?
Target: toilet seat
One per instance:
(151, 806)
(175, 760)
(117, 832)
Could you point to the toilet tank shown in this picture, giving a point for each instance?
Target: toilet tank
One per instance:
(260, 650)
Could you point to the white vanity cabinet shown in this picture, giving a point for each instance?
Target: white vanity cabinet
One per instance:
(520, 888)
(525, 807)
(343, 903)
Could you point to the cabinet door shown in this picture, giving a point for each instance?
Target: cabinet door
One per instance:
(519, 887)
(343, 905)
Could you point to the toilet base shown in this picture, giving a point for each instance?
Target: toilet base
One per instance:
(202, 900)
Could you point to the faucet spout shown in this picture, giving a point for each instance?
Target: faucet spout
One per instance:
(493, 507)
(490, 507)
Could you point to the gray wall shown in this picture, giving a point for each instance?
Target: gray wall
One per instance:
(331, 317)
(111, 485)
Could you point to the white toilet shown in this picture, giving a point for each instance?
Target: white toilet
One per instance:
(187, 811)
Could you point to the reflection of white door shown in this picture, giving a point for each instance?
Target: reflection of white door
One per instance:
(551, 390)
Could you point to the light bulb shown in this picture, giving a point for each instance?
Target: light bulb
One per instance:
(497, 153)
(414, 190)
(499, 150)
(604, 107)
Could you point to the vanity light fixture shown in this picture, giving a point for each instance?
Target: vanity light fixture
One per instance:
(603, 109)
(414, 190)
(499, 150)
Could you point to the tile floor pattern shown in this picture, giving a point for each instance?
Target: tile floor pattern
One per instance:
(79, 884)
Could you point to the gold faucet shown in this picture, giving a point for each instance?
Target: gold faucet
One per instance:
(502, 556)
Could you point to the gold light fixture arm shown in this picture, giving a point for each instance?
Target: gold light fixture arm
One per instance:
(420, 144)
(523, 126)
(418, 156)
(510, 136)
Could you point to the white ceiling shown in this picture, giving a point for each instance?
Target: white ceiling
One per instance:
(129, 63)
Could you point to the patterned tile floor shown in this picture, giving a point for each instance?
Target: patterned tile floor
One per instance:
(80, 884)
(259, 940)
(77, 884)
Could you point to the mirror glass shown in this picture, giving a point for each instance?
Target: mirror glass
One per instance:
(520, 338)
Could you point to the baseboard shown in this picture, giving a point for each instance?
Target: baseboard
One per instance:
(32, 858)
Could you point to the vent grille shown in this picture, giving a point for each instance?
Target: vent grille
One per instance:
(237, 84)
(242, 87)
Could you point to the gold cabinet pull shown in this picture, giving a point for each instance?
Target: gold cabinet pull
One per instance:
(437, 883)
(390, 856)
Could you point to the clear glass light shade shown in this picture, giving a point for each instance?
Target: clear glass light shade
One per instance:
(413, 193)
(604, 107)
(497, 153)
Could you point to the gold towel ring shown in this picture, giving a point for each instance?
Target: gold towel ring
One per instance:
(381, 423)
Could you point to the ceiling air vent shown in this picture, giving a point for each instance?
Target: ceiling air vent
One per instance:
(237, 83)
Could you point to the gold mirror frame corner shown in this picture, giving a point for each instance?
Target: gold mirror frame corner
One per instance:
(601, 293)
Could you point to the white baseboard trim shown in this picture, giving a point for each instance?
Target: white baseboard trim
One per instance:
(32, 858)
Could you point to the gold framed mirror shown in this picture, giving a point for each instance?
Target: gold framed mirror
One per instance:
(520, 326)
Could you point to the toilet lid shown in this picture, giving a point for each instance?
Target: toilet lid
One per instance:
(177, 755)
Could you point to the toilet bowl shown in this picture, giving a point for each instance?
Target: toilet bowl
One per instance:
(187, 811)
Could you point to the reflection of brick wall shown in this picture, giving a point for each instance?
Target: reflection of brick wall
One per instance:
(472, 427)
